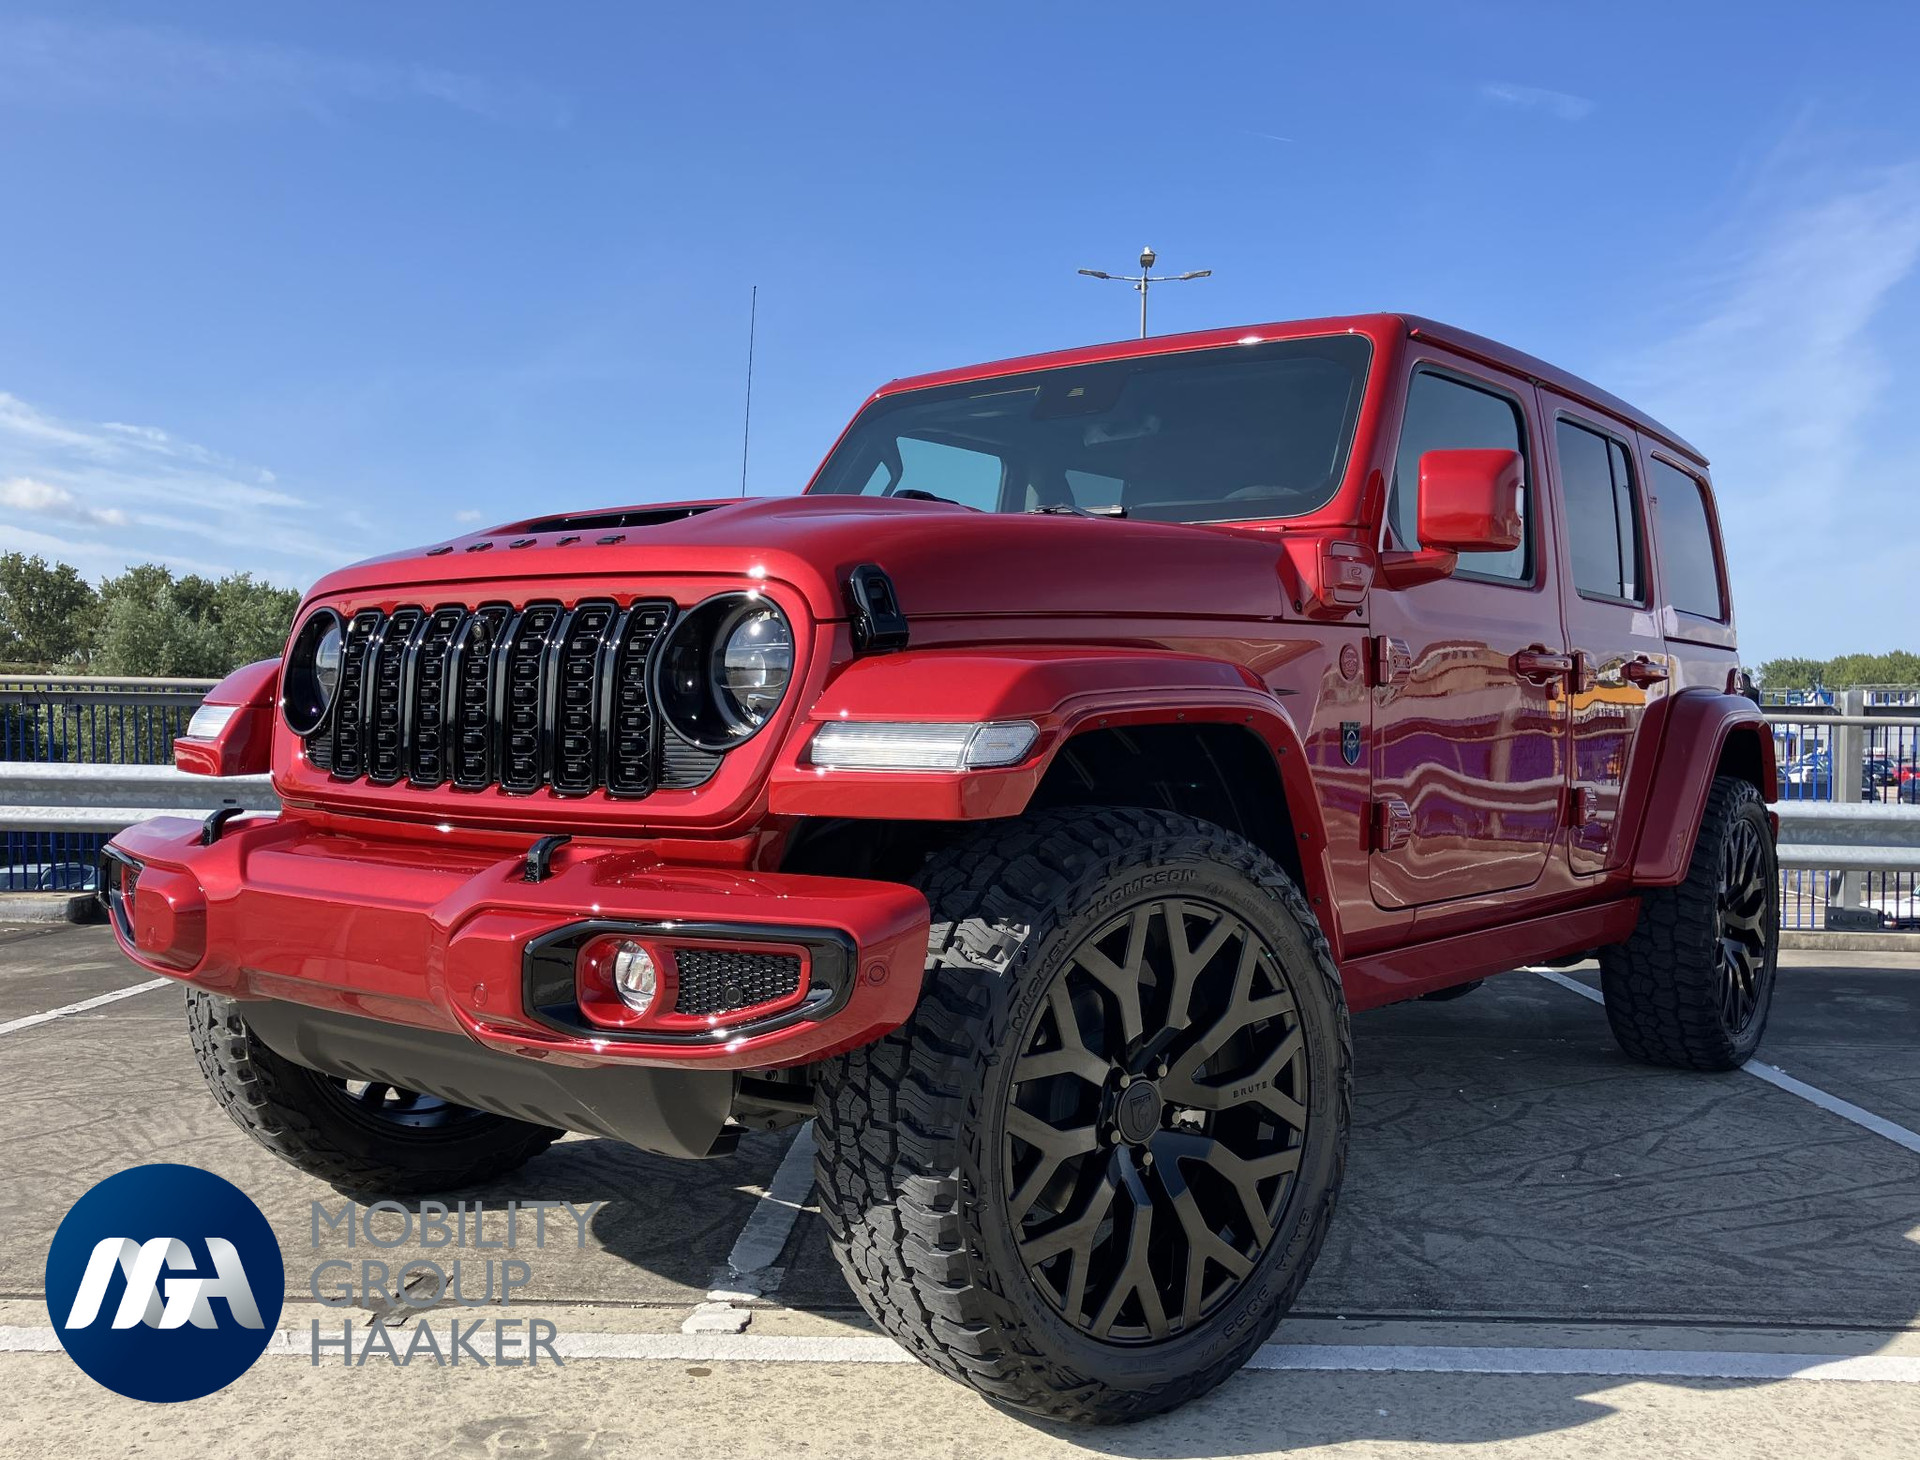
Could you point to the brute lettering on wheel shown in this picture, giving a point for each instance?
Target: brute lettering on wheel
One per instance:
(1029, 800)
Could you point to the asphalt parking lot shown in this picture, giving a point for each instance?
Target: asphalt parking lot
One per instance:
(1541, 1249)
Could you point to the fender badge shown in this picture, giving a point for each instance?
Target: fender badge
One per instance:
(1350, 741)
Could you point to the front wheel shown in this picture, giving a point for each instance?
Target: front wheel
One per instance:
(1094, 1168)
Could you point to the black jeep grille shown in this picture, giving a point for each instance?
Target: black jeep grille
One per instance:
(714, 980)
(524, 698)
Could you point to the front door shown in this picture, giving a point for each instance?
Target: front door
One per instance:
(1469, 759)
(1621, 666)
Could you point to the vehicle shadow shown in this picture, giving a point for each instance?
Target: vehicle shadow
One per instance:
(1510, 1169)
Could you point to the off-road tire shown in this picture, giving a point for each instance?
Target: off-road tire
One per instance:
(1663, 985)
(910, 1128)
(292, 1111)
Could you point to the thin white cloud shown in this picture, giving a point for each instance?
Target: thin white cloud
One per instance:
(103, 495)
(467, 514)
(1771, 360)
(149, 68)
(24, 494)
(1562, 105)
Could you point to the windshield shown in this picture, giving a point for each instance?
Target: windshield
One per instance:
(1247, 431)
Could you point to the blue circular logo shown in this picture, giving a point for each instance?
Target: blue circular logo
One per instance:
(164, 1283)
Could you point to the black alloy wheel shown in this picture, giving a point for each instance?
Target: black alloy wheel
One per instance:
(1744, 925)
(1156, 1120)
(398, 1111)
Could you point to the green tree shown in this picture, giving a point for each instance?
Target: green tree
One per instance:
(145, 629)
(149, 622)
(46, 612)
(1792, 673)
(1844, 672)
(253, 618)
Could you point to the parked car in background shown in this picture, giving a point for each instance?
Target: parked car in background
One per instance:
(1810, 778)
(47, 877)
(1877, 772)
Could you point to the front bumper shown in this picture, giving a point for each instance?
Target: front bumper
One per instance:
(457, 940)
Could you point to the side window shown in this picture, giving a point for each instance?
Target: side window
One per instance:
(1603, 520)
(1446, 414)
(971, 478)
(1689, 563)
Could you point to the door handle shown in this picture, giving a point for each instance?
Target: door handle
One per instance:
(1643, 672)
(1540, 665)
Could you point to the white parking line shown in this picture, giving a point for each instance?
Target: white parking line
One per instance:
(750, 1271)
(1780, 1080)
(80, 1008)
(1336, 1358)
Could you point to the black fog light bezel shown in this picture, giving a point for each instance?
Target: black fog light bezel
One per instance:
(686, 688)
(548, 976)
(304, 705)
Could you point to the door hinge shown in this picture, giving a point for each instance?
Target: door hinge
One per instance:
(1388, 659)
(1392, 824)
(1583, 806)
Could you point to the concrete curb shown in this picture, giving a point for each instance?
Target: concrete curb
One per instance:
(1812, 942)
(48, 907)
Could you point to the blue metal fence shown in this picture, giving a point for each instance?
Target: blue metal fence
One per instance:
(84, 720)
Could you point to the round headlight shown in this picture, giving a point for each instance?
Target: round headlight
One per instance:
(754, 664)
(312, 676)
(724, 669)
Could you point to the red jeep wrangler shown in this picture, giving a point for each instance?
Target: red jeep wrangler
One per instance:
(1027, 803)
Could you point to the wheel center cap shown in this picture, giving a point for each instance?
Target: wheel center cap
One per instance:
(1137, 1112)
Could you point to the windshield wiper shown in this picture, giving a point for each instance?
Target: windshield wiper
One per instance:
(1068, 509)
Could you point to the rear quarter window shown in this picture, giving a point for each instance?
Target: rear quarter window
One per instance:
(1689, 554)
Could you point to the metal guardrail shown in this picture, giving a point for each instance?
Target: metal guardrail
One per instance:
(43, 797)
(1852, 759)
(1844, 836)
(1848, 861)
(1836, 835)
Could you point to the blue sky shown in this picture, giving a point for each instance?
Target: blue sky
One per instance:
(290, 285)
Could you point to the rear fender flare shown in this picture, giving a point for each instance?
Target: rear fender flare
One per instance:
(1699, 725)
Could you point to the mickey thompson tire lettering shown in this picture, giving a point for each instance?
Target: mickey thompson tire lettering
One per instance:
(311, 1122)
(912, 1129)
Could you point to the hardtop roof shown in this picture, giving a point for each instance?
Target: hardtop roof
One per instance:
(1464, 342)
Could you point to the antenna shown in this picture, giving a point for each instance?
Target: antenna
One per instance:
(746, 425)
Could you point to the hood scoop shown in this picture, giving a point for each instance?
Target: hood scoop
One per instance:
(626, 517)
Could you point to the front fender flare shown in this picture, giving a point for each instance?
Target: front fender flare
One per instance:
(1064, 692)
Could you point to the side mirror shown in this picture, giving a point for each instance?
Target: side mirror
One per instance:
(1469, 502)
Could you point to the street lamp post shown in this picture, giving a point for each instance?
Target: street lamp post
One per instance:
(1145, 277)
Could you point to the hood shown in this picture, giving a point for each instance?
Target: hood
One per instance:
(945, 561)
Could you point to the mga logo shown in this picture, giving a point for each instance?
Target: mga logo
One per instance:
(142, 1264)
(154, 1315)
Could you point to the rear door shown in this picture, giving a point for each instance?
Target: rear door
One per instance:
(1620, 669)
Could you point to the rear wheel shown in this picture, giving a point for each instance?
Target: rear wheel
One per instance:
(1092, 1170)
(358, 1136)
(1692, 987)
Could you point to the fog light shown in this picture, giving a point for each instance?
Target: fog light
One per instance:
(634, 977)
